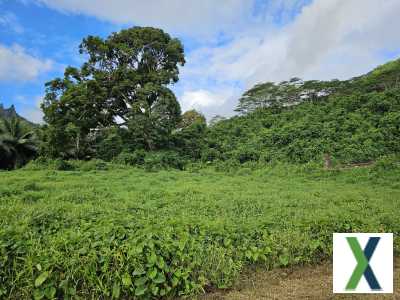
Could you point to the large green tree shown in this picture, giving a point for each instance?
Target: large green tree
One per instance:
(125, 82)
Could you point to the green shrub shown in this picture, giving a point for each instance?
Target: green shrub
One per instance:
(93, 164)
(244, 155)
(51, 164)
(61, 165)
(135, 158)
(386, 163)
(164, 160)
(110, 146)
(210, 154)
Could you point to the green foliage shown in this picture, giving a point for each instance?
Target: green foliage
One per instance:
(286, 93)
(191, 117)
(152, 161)
(135, 158)
(351, 128)
(210, 155)
(93, 165)
(50, 164)
(189, 140)
(120, 102)
(109, 144)
(163, 160)
(18, 144)
(125, 83)
(124, 233)
(355, 120)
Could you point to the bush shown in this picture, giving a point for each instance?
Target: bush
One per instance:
(386, 163)
(244, 155)
(131, 158)
(51, 164)
(94, 164)
(111, 146)
(61, 165)
(164, 160)
(210, 154)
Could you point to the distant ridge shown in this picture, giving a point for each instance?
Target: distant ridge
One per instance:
(9, 113)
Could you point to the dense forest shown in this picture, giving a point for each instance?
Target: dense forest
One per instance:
(118, 106)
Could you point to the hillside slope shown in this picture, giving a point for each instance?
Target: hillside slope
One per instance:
(8, 113)
(357, 120)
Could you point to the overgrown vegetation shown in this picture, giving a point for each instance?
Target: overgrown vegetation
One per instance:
(124, 232)
(118, 106)
(17, 144)
(87, 219)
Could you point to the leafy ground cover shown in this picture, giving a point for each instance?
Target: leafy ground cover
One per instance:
(127, 233)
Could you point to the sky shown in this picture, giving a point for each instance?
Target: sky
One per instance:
(230, 45)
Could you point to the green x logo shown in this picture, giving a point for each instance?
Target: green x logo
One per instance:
(363, 267)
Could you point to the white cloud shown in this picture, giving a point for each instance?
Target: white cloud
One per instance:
(32, 113)
(200, 99)
(327, 39)
(322, 39)
(183, 16)
(17, 65)
(9, 20)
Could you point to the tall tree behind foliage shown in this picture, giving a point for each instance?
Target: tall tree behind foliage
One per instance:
(123, 83)
(285, 93)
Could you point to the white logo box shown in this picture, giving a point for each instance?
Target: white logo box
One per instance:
(344, 262)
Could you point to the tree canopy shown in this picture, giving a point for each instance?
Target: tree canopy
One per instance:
(124, 82)
(286, 93)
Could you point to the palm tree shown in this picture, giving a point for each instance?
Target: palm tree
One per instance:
(17, 145)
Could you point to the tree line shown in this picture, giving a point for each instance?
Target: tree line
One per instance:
(119, 106)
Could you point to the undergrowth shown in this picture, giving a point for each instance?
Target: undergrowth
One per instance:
(98, 231)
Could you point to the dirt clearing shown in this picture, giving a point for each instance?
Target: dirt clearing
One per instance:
(311, 282)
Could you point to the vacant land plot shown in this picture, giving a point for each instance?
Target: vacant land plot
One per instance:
(128, 233)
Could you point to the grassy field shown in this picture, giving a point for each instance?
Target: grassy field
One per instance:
(126, 233)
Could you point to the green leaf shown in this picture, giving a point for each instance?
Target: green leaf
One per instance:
(152, 273)
(50, 292)
(284, 260)
(116, 291)
(41, 278)
(160, 278)
(126, 280)
(154, 290)
(138, 271)
(160, 262)
(38, 294)
(152, 259)
(141, 281)
(182, 244)
(175, 281)
(72, 291)
(140, 290)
